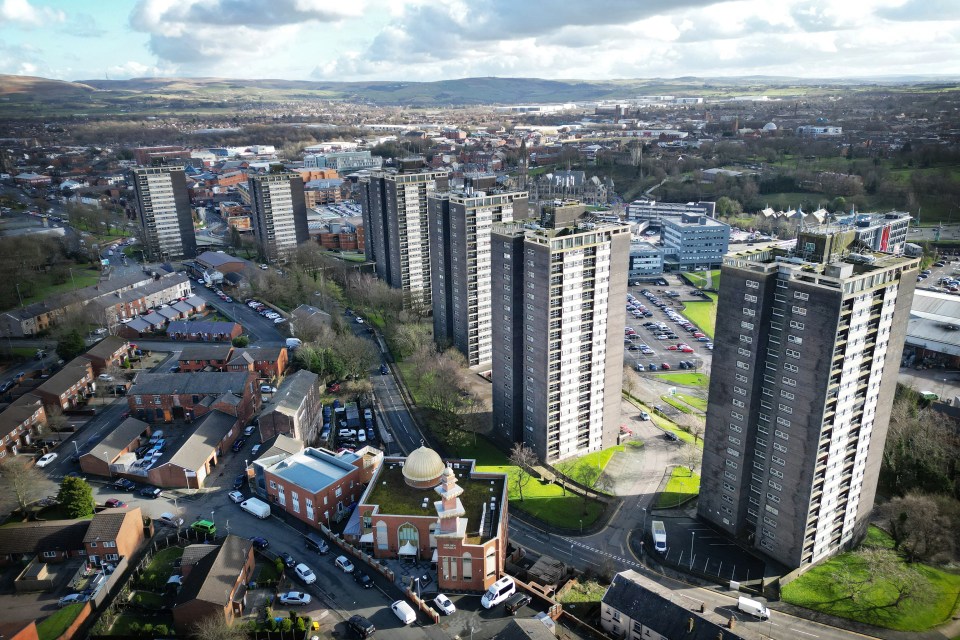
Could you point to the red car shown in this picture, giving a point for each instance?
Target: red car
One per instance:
(672, 347)
(113, 503)
(686, 350)
(333, 387)
(665, 366)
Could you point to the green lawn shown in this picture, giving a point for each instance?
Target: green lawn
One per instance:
(666, 424)
(45, 288)
(699, 279)
(685, 379)
(54, 626)
(703, 313)
(131, 624)
(818, 589)
(676, 404)
(543, 500)
(160, 568)
(148, 599)
(589, 591)
(693, 401)
(680, 487)
(589, 467)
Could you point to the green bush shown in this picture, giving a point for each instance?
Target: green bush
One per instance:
(148, 629)
(286, 625)
(161, 630)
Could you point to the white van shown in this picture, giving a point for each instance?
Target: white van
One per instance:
(659, 536)
(498, 592)
(753, 607)
(256, 507)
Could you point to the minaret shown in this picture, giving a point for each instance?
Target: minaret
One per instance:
(449, 508)
(524, 164)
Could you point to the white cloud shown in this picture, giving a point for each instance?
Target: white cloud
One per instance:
(23, 13)
(134, 69)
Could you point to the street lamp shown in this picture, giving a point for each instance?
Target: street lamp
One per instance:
(211, 516)
(76, 448)
(644, 530)
(692, 534)
(581, 523)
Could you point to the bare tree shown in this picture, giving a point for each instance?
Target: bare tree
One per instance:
(691, 456)
(22, 479)
(523, 458)
(56, 421)
(918, 527)
(696, 430)
(215, 627)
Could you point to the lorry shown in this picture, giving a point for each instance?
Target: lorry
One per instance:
(659, 536)
(256, 507)
(753, 607)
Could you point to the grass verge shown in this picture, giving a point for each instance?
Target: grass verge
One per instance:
(681, 486)
(819, 589)
(676, 404)
(586, 469)
(685, 379)
(703, 313)
(54, 626)
(693, 401)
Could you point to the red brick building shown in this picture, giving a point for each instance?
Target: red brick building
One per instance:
(215, 581)
(113, 534)
(203, 331)
(112, 351)
(317, 486)
(199, 357)
(164, 397)
(442, 512)
(69, 386)
(19, 423)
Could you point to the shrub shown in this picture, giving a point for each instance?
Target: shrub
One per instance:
(161, 630)
(148, 629)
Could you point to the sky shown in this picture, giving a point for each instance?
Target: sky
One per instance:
(424, 40)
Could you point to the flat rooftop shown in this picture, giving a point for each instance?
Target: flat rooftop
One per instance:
(312, 469)
(395, 497)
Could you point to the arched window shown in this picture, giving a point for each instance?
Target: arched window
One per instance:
(380, 533)
(467, 566)
(408, 533)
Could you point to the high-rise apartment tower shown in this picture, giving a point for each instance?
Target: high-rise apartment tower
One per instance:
(460, 224)
(396, 229)
(805, 368)
(163, 207)
(279, 214)
(557, 297)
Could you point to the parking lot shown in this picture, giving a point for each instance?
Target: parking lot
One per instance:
(943, 276)
(644, 349)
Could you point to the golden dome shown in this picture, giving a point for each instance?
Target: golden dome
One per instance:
(422, 466)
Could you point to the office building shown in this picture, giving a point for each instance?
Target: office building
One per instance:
(645, 259)
(880, 231)
(343, 160)
(396, 228)
(558, 335)
(279, 214)
(163, 207)
(655, 212)
(694, 243)
(810, 342)
(460, 225)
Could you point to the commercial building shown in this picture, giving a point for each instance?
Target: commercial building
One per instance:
(163, 207)
(654, 212)
(279, 214)
(811, 342)
(645, 259)
(694, 243)
(558, 334)
(933, 333)
(396, 227)
(317, 486)
(424, 509)
(460, 225)
(343, 160)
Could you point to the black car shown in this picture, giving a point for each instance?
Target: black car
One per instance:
(360, 626)
(150, 492)
(384, 370)
(288, 560)
(239, 481)
(122, 484)
(238, 444)
(259, 543)
(363, 579)
(516, 602)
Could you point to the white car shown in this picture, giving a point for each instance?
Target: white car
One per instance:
(305, 573)
(106, 377)
(359, 320)
(295, 597)
(236, 497)
(170, 520)
(72, 598)
(47, 459)
(343, 563)
(403, 611)
(249, 430)
(443, 603)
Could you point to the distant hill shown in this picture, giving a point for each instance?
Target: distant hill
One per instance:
(30, 97)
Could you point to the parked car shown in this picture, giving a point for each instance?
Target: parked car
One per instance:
(105, 377)
(249, 430)
(363, 579)
(259, 543)
(46, 459)
(361, 627)
(239, 481)
(73, 598)
(343, 563)
(236, 497)
(294, 597)
(265, 388)
(150, 492)
(114, 503)
(288, 560)
(169, 520)
(305, 573)
(444, 604)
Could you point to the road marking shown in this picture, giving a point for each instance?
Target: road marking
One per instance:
(812, 635)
